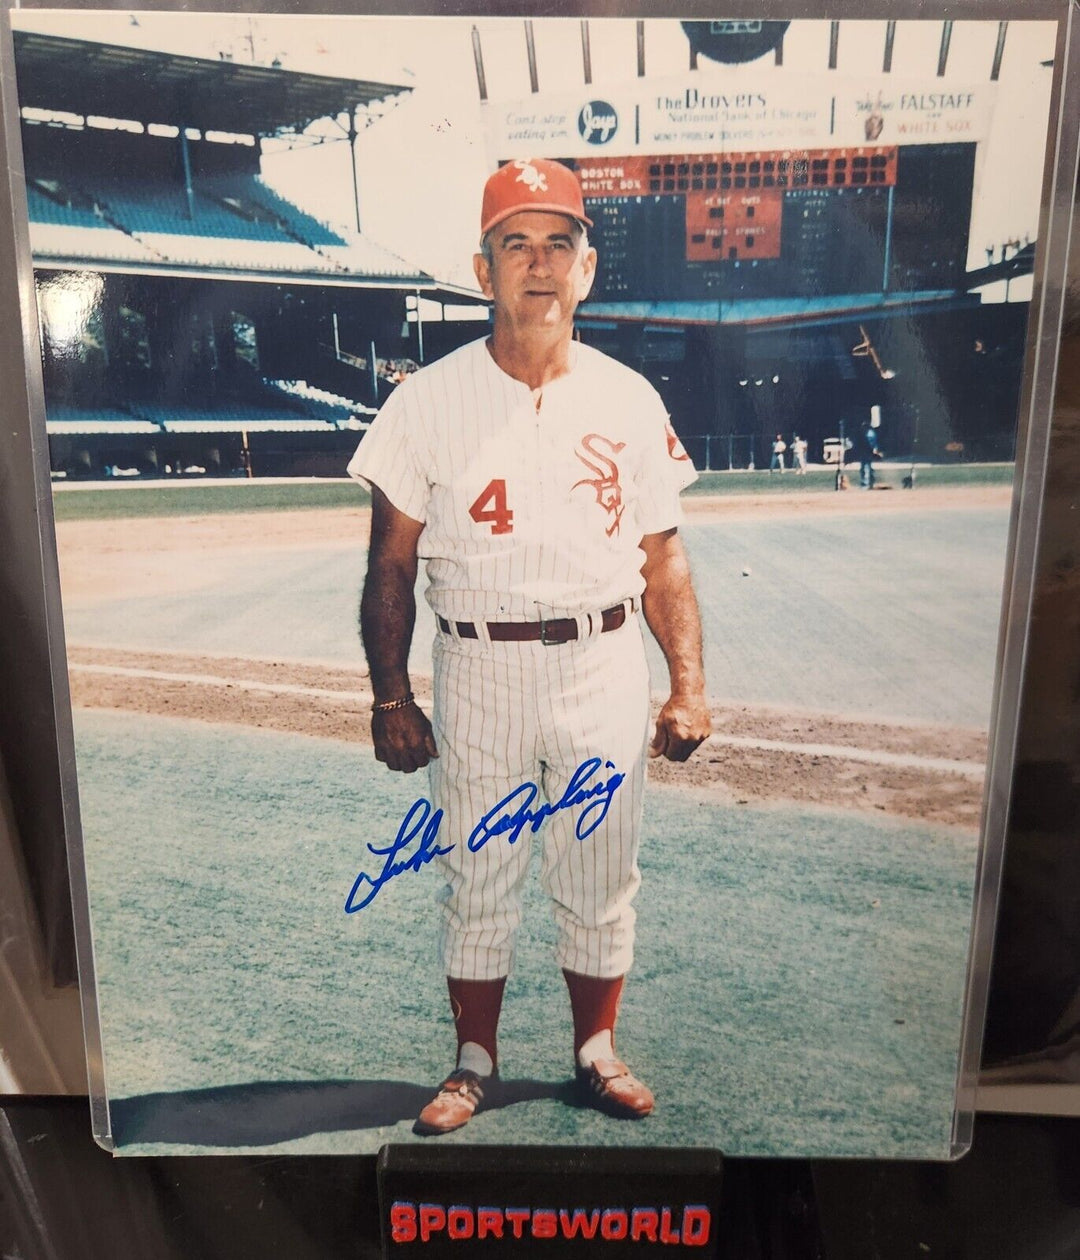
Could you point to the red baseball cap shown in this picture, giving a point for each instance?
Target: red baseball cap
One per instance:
(531, 184)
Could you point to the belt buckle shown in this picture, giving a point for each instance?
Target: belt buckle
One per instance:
(545, 640)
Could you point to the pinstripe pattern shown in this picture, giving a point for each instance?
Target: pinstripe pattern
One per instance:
(533, 509)
(560, 706)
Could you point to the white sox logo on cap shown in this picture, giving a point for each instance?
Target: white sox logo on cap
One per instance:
(531, 184)
(534, 180)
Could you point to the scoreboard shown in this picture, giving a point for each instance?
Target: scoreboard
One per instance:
(759, 184)
(767, 223)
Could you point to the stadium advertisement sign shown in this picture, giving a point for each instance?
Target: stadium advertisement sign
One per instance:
(700, 111)
(275, 905)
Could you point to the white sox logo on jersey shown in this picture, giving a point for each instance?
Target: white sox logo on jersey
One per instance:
(534, 180)
(606, 481)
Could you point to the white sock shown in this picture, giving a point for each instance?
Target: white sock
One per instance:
(599, 1046)
(475, 1058)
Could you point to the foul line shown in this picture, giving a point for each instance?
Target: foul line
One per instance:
(216, 680)
(907, 761)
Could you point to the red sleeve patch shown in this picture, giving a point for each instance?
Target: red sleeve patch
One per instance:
(674, 447)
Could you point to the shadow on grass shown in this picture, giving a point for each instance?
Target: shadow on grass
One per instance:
(266, 1112)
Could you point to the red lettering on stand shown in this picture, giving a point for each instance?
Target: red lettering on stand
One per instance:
(545, 1224)
(460, 1222)
(432, 1220)
(402, 1222)
(696, 1226)
(643, 1224)
(581, 1222)
(667, 1234)
(614, 1224)
(517, 1218)
(489, 1221)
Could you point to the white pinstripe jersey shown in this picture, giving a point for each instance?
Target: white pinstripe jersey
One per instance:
(527, 511)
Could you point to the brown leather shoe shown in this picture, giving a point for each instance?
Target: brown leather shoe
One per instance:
(610, 1086)
(458, 1098)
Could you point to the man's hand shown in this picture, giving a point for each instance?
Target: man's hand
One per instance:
(403, 739)
(672, 613)
(683, 724)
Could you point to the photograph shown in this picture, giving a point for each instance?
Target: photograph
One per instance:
(532, 500)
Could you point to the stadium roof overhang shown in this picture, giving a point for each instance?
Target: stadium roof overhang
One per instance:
(777, 312)
(418, 283)
(113, 81)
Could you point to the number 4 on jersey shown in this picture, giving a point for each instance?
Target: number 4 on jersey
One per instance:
(500, 516)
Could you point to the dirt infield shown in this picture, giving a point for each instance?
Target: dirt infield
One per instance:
(103, 559)
(756, 753)
(171, 555)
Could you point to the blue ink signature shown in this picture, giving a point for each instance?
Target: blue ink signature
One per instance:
(509, 817)
(427, 826)
(512, 822)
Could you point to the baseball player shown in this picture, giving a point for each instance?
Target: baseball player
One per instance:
(539, 480)
(798, 455)
(779, 446)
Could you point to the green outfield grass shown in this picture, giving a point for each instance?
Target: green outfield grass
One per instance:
(202, 499)
(92, 503)
(798, 987)
(761, 481)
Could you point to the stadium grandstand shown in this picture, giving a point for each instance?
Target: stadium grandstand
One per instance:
(195, 321)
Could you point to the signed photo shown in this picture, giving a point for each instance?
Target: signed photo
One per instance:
(532, 501)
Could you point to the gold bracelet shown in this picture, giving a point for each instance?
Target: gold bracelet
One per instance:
(388, 706)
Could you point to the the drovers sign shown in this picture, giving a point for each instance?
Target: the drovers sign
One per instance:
(699, 113)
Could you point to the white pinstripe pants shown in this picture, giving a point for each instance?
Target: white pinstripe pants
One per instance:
(512, 713)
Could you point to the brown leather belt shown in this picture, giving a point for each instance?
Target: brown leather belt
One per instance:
(561, 630)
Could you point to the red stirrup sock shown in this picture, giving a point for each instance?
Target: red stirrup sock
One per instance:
(476, 1005)
(595, 1005)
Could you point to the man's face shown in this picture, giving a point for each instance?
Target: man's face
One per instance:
(538, 271)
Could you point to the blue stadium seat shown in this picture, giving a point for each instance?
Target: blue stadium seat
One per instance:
(251, 190)
(144, 206)
(44, 209)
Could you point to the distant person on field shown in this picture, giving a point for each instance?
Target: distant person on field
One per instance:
(867, 454)
(798, 455)
(779, 446)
